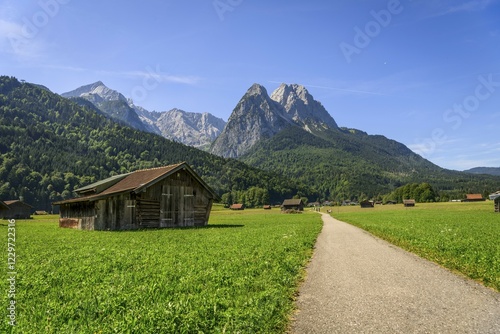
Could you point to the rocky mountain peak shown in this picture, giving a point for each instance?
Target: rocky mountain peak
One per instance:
(96, 92)
(257, 89)
(255, 117)
(302, 108)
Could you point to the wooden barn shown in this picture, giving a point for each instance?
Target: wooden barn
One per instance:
(237, 206)
(3, 209)
(292, 204)
(408, 202)
(495, 197)
(367, 204)
(474, 198)
(16, 209)
(170, 196)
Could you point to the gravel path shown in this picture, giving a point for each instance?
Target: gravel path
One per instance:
(357, 283)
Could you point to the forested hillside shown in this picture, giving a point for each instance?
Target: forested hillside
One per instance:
(350, 164)
(50, 146)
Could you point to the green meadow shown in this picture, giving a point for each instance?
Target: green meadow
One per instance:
(463, 237)
(239, 274)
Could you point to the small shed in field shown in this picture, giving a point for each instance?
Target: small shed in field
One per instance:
(495, 197)
(3, 209)
(169, 196)
(267, 207)
(292, 204)
(17, 209)
(474, 198)
(367, 204)
(408, 202)
(237, 206)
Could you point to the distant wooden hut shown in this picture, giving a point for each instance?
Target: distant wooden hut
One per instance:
(474, 198)
(367, 204)
(495, 197)
(292, 204)
(237, 206)
(267, 207)
(3, 209)
(169, 196)
(409, 202)
(17, 209)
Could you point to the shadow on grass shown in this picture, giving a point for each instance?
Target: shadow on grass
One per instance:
(209, 226)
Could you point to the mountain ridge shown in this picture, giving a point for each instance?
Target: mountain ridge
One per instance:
(193, 129)
(484, 170)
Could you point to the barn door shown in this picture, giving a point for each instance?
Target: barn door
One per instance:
(188, 207)
(130, 214)
(166, 208)
(148, 212)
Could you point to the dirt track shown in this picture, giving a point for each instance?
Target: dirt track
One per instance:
(357, 283)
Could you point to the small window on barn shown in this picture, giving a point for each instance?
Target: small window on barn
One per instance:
(194, 193)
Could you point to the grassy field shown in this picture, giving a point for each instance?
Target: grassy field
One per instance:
(238, 275)
(463, 237)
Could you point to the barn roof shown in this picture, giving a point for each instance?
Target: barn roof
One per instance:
(133, 182)
(474, 197)
(99, 186)
(292, 202)
(495, 196)
(9, 203)
(3, 206)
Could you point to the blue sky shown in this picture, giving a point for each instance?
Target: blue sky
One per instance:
(425, 73)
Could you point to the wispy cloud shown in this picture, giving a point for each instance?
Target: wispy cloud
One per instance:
(467, 6)
(163, 77)
(470, 6)
(345, 90)
(148, 73)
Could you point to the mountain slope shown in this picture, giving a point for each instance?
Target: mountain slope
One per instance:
(50, 146)
(348, 163)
